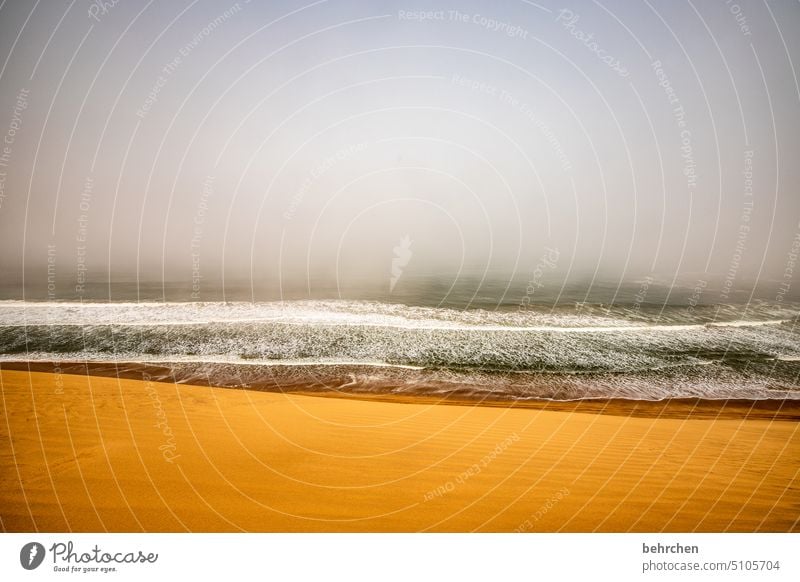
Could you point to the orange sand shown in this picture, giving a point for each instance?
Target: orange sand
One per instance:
(94, 454)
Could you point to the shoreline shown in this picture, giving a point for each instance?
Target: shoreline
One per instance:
(764, 409)
(94, 453)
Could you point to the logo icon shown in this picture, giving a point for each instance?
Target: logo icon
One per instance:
(402, 255)
(31, 555)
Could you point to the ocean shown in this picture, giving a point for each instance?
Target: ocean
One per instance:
(492, 344)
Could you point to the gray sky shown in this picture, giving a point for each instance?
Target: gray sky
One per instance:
(277, 140)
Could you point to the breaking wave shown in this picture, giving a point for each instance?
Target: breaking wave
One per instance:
(565, 353)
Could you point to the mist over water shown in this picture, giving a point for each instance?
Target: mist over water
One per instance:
(515, 199)
(332, 144)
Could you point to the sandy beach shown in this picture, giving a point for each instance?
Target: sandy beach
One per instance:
(91, 453)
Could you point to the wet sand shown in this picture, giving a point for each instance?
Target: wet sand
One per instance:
(94, 453)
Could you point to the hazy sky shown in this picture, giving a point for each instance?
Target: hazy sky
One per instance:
(277, 140)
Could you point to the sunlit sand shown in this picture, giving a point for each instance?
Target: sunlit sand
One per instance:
(96, 454)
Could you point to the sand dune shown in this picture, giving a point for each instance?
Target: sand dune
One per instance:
(95, 453)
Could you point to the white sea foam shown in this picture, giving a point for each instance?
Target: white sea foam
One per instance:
(338, 313)
(594, 353)
(155, 360)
